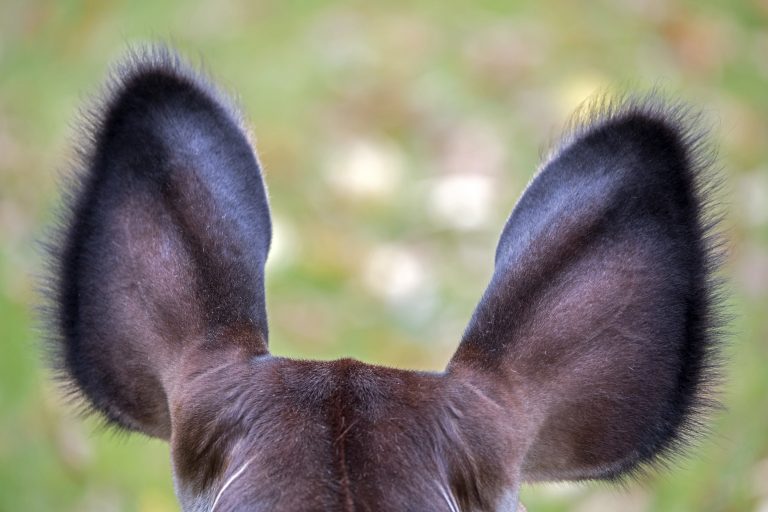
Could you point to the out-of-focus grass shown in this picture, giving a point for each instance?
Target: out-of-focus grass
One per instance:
(396, 138)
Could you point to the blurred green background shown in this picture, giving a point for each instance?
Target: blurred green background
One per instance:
(396, 138)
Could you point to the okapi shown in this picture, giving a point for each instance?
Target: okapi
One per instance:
(591, 355)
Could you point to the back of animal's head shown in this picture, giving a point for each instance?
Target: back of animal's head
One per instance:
(588, 356)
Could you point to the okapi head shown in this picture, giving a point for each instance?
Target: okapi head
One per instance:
(589, 355)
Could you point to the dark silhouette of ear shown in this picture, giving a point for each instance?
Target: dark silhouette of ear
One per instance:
(163, 247)
(601, 316)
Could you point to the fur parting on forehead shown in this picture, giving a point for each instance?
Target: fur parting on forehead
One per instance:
(229, 481)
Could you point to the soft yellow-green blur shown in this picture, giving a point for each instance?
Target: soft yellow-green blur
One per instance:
(396, 137)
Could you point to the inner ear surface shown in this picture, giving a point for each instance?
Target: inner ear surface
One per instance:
(603, 306)
(164, 244)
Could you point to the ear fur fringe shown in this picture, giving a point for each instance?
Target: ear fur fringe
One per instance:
(703, 362)
(76, 180)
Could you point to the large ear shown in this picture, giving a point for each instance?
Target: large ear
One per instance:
(162, 250)
(601, 316)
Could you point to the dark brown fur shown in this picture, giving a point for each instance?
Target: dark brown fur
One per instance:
(344, 435)
(590, 356)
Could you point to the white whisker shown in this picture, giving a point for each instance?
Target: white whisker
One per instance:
(229, 482)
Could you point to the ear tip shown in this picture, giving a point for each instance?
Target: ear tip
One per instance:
(146, 77)
(655, 124)
(157, 62)
(145, 61)
(651, 113)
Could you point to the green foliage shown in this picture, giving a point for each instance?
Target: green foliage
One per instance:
(396, 138)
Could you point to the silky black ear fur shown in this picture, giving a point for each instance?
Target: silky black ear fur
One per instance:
(162, 243)
(604, 310)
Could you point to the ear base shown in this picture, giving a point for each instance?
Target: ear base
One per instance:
(604, 304)
(161, 244)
